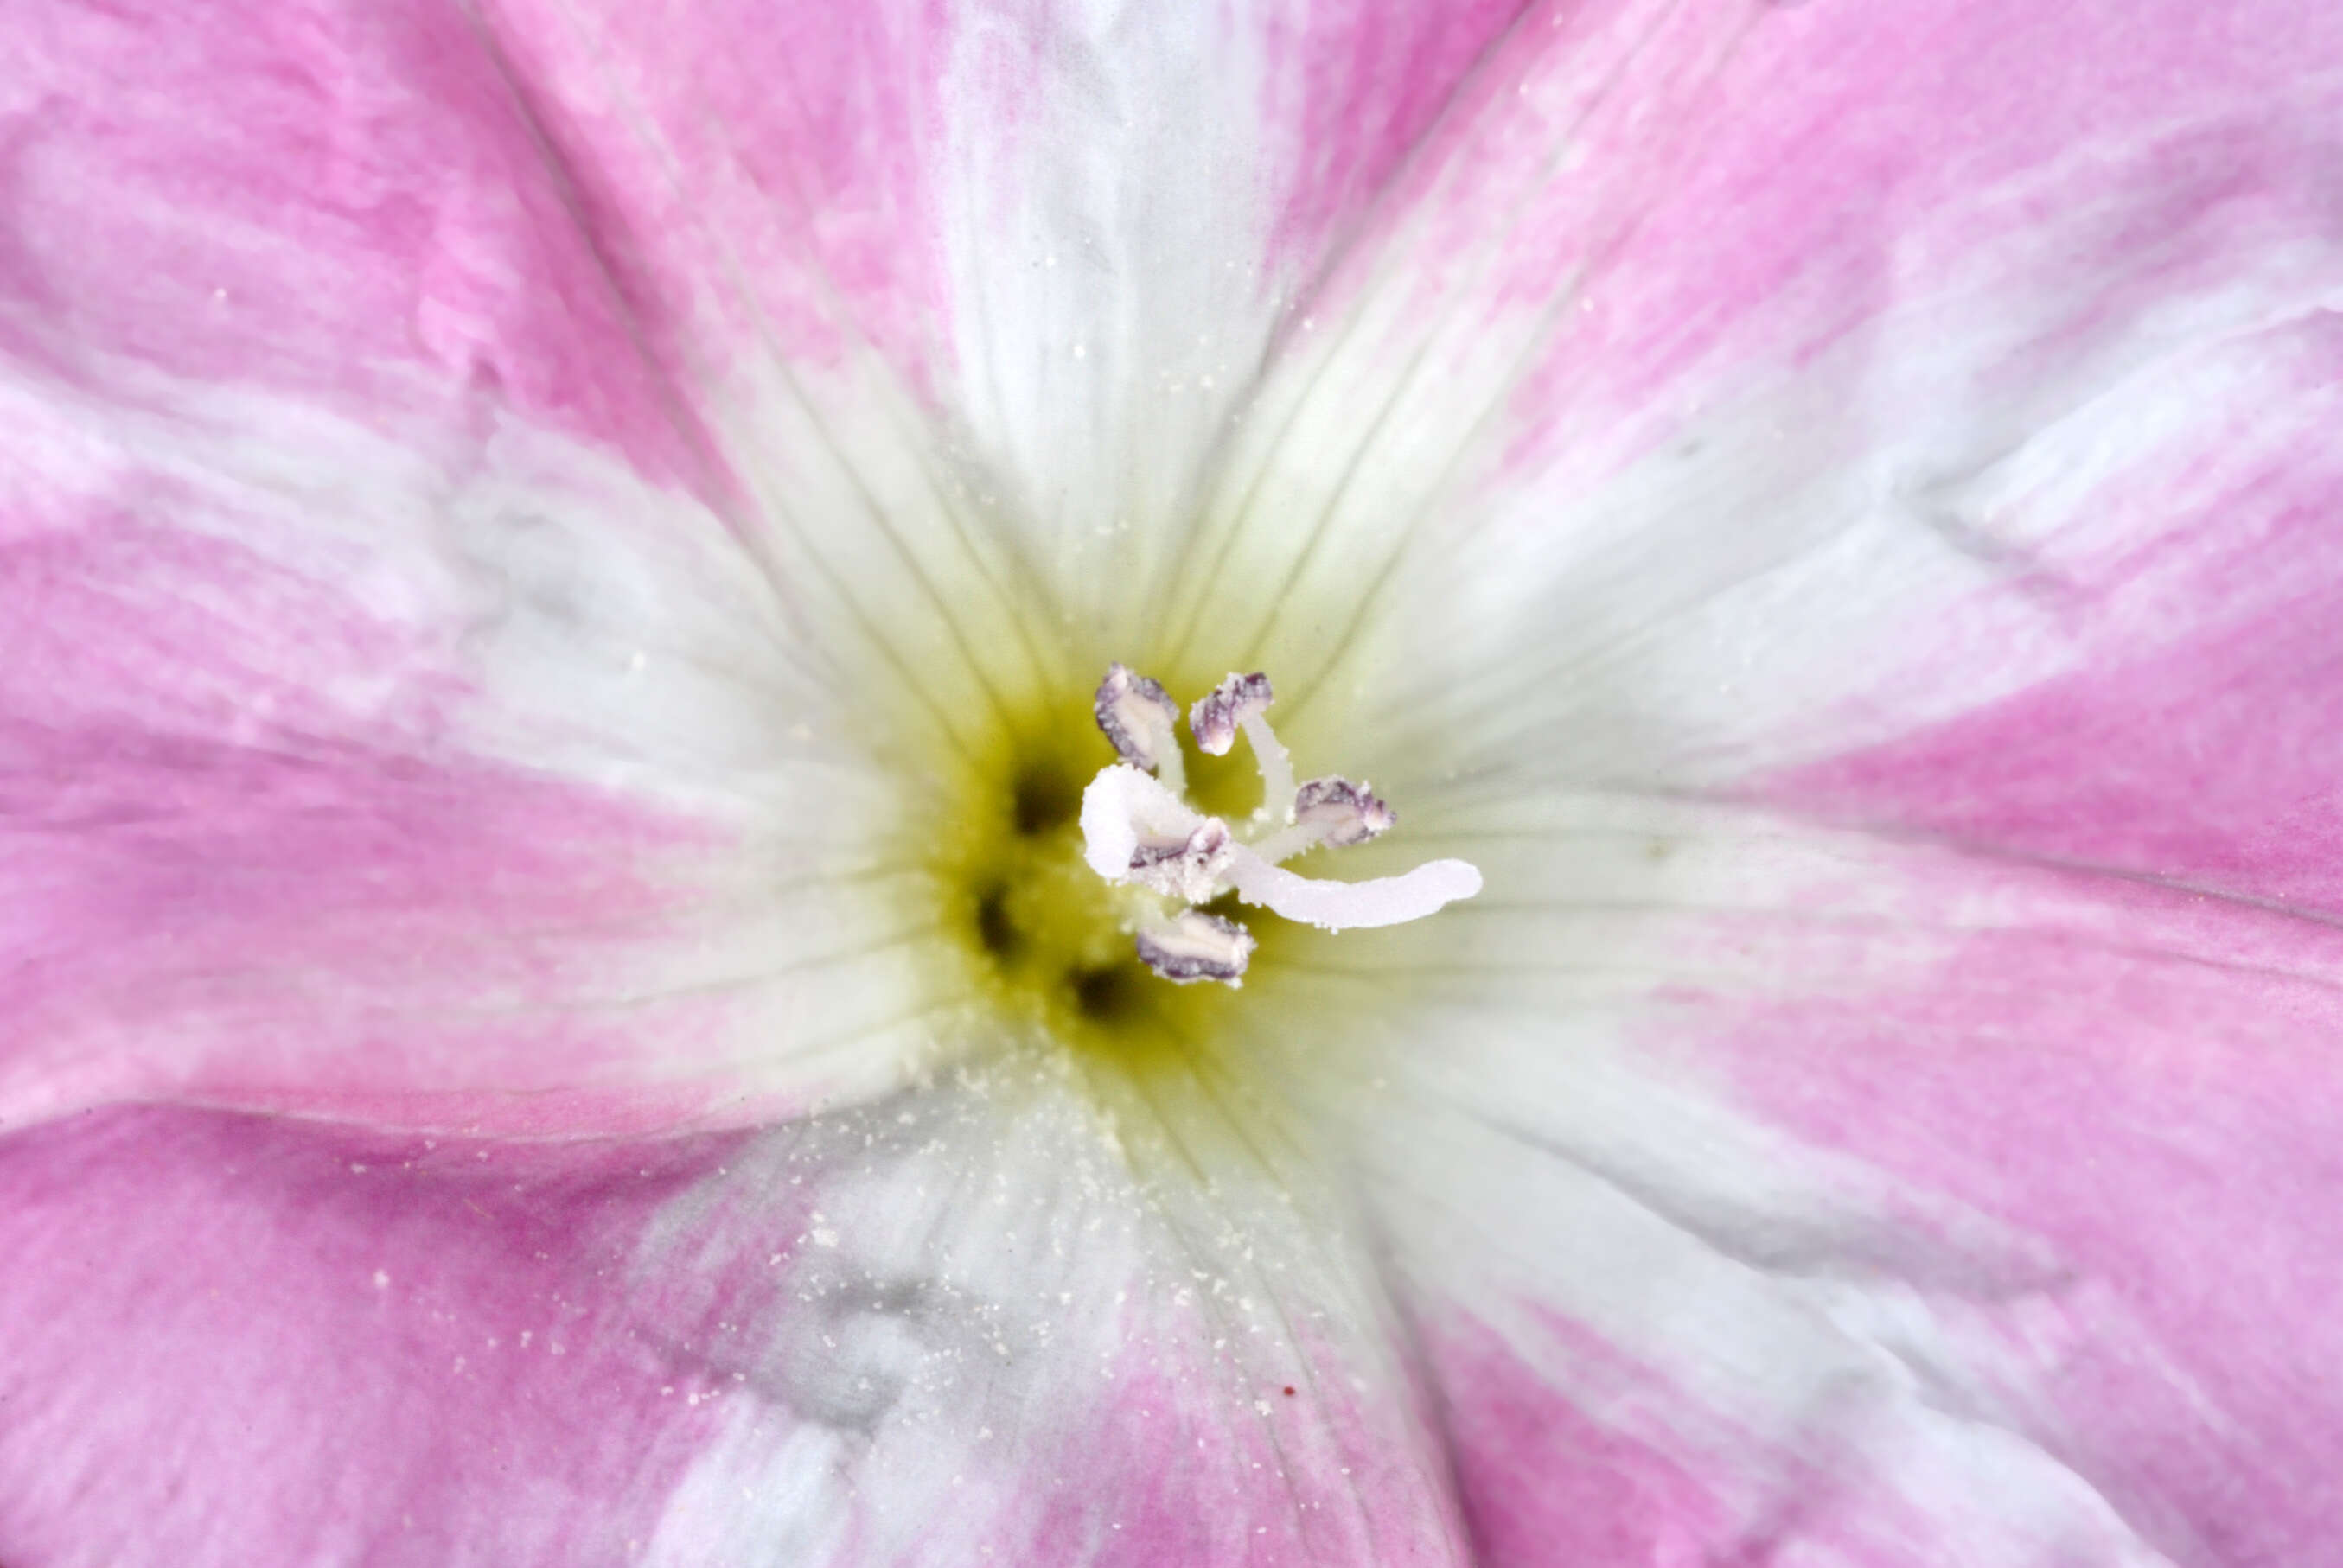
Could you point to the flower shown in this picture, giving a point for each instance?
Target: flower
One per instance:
(557, 556)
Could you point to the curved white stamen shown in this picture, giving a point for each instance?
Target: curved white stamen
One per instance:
(1276, 770)
(1350, 906)
(1121, 806)
(1239, 703)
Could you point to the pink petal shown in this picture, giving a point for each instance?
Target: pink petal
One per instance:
(1545, 1480)
(237, 1341)
(349, 203)
(357, 933)
(744, 170)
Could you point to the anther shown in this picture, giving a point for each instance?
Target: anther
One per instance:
(1342, 813)
(1194, 946)
(1334, 812)
(1216, 715)
(1241, 702)
(1191, 869)
(1142, 722)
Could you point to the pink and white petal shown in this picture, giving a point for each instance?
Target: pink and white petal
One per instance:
(974, 291)
(2096, 1021)
(344, 202)
(1902, 1203)
(340, 779)
(1027, 1353)
(2159, 1111)
(939, 1328)
(1137, 195)
(395, 727)
(902, 179)
(2158, 1101)
(2182, 725)
(374, 219)
(1619, 1382)
(754, 182)
(1635, 362)
(2130, 674)
(2174, 522)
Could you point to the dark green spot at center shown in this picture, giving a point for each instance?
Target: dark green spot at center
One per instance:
(1043, 798)
(995, 928)
(1108, 993)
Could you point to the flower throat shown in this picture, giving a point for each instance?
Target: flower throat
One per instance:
(1098, 873)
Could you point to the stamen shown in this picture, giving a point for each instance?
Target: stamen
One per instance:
(1142, 723)
(1334, 812)
(1190, 870)
(1350, 812)
(1194, 946)
(1239, 703)
(1217, 714)
(1136, 829)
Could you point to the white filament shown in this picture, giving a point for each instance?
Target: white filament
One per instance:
(1269, 756)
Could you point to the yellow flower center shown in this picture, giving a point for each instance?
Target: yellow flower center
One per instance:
(1044, 943)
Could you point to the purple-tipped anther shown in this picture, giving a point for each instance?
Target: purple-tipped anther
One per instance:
(1216, 718)
(1339, 813)
(1139, 719)
(1191, 869)
(1195, 945)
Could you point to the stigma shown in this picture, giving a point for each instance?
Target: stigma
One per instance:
(1139, 832)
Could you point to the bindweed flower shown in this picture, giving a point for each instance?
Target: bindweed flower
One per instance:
(659, 661)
